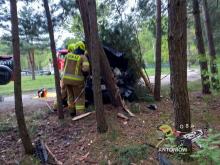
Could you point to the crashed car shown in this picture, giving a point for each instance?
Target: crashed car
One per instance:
(119, 64)
(6, 69)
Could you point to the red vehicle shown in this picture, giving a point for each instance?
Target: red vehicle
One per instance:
(61, 58)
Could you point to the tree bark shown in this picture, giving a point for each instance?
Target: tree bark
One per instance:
(178, 63)
(106, 71)
(95, 45)
(211, 45)
(157, 85)
(53, 50)
(32, 62)
(201, 49)
(17, 81)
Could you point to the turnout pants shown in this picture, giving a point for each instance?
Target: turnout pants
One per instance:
(74, 91)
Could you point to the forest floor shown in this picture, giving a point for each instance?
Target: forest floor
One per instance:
(77, 142)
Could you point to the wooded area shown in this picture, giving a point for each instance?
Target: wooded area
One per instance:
(150, 94)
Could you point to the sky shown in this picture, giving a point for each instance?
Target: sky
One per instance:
(60, 34)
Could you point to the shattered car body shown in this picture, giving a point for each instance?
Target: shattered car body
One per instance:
(119, 65)
(124, 78)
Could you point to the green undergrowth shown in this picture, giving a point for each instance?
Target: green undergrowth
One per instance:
(29, 160)
(130, 154)
(7, 123)
(143, 94)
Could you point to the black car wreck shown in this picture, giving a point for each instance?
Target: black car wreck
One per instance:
(125, 77)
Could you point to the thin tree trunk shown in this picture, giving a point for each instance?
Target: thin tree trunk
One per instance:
(178, 63)
(32, 63)
(95, 56)
(106, 71)
(157, 85)
(53, 50)
(17, 81)
(211, 45)
(201, 49)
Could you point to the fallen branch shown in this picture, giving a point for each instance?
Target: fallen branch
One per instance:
(49, 107)
(81, 116)
(127, 110)
(165, 76)
(84, 157)
(120, 115)
(146, 80)
(51, 156)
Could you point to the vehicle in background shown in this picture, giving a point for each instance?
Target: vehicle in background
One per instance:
(61, 53)
(6, 69)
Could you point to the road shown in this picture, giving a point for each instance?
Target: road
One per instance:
(192, 75)
(30, 101)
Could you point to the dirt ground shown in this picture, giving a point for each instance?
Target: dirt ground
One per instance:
(77, 142)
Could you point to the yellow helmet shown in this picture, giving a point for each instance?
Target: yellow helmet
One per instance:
(166, 129)
(71, 47)
(80, 45)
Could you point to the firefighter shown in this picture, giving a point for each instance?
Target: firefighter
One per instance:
(76, 66)
(70, 48)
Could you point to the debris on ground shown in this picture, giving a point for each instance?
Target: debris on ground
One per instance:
(42, 93)
(122, 116)
(82, 116)
(152, 107)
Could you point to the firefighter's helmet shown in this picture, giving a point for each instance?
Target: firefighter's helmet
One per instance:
(71, 47)
(80, 45)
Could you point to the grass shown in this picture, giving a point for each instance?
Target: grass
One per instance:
(29, 85)
(151, 71)
(130, 154)
(192, 87)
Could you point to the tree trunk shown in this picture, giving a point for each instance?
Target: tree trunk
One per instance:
(211, 45)
(201, 49)
(178, 63)
(53, 50)
(106, 71)
(17, 82)
(32, 62)
(95, 45)
(158, 54)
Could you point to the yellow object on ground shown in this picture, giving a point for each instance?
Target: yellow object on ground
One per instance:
(49, 95)
(166, 129)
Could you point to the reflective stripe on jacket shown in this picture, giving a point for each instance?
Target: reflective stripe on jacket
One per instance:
(74, 65)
